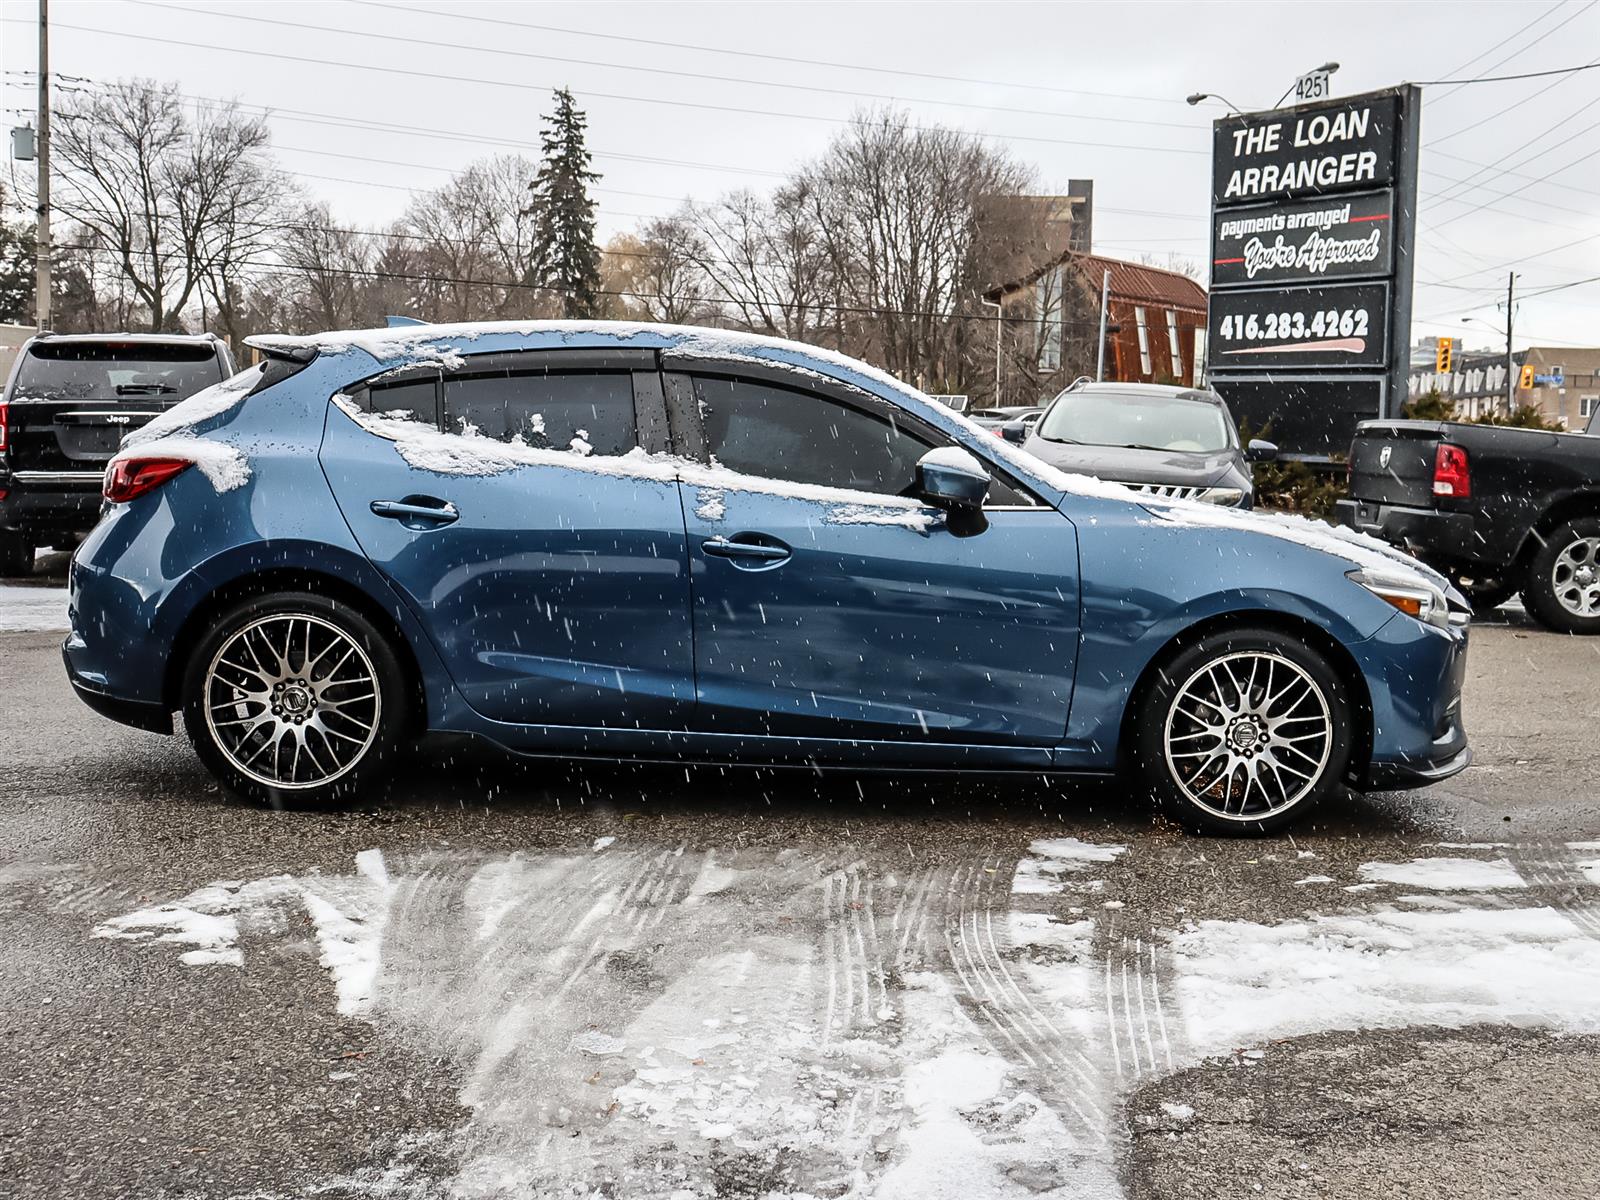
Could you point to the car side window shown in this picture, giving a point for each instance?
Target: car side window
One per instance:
(588, 412)
(802, 437)
(412, 400)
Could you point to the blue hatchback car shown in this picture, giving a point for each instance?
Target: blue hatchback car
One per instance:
(649, 542)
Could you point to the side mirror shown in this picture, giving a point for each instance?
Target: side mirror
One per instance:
(1260, 451)
(1015, 432)
(951, 479)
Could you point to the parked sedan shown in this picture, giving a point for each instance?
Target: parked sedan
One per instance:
(1174, 442)
(611, 542)
(993, 419)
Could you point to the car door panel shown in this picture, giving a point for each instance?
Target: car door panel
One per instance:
(852, 611)
(555, 595)
(881, 624)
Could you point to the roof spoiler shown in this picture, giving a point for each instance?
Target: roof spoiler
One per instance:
(284, 350)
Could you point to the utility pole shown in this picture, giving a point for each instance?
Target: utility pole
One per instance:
(1100, 358)
(41, 286)
(1511, 370)
(999, 332)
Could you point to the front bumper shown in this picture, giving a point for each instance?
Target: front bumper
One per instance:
(1427, 533)
(1415, 675)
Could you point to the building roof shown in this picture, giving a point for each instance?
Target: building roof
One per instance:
(1132, 282)
(1142, 284)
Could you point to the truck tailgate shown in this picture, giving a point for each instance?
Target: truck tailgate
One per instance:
(1392, 463)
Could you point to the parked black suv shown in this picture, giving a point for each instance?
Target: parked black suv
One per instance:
(65, 409)
(1498, 508)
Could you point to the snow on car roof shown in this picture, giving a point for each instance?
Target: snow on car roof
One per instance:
(444, 344)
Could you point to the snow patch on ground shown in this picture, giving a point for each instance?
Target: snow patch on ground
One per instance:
(1241, 982)
(1052, 859)
(1445, 874)
(347, 913)
(32, 609)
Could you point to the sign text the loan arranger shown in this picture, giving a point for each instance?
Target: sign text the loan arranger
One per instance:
(1334, 147)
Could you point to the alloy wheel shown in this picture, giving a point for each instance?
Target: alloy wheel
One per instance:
(1575, 577)
(292, 700)
(1248, 735)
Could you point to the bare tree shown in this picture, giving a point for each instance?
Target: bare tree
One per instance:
(171, 197)
(657, 273)
(474, 238)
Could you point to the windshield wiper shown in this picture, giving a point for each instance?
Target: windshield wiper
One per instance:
(1139, 446)
(1062, 440)
(144, 389)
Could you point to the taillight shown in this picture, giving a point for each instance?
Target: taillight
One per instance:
(129, 478)
(5, 425)
(1450, 474)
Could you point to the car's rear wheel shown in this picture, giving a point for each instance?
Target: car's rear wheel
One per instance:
(294, 699)
(1563, 588)
(1243, 732)
(16, 554)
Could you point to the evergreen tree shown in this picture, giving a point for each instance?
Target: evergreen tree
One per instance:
(16, 273)
(565, 256)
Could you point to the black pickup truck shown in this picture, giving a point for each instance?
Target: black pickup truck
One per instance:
(65, 409)
(1501, 510)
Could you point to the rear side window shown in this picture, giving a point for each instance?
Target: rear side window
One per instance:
(414, 400)
(590, 412)
(168, 371)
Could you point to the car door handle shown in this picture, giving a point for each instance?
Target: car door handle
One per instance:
(721, 547)
(417, 512)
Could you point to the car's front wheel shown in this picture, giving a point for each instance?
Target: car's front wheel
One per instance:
(294, 699)
(1243, 732)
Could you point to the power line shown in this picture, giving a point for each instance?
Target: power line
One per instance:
(435, 44)
(1434, 82)
(1484, 53)
(403, 276)
(531, 87)
(1523, 49)
(1528, 99)
(658, 44)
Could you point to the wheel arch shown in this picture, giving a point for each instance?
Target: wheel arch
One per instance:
(1568, 508)
(1340, 658)
(294, 579)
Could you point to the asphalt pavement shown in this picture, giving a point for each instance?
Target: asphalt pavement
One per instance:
(493, 978)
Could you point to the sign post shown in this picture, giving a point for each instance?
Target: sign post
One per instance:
(1312, 233)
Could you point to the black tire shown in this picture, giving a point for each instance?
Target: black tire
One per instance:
(337, 741)
(16, 554)
(1562, 590)
(1309, 696)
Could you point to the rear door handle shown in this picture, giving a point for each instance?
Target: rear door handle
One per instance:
(417, 512)
(721, 547)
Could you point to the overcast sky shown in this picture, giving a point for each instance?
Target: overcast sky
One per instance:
(690, 100)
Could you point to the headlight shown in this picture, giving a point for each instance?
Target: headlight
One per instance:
(1225, 496)
(1413, 596)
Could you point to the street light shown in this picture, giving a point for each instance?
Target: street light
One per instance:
(1199, 96)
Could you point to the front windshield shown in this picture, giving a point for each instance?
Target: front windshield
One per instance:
(117, 370)
(1137, 420)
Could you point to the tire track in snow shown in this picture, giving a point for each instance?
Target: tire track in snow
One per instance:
(1140, 1019)
(1552, 868)
(1060, 1071)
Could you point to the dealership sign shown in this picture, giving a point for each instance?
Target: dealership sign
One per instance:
(1303, 240)
(1312, 226)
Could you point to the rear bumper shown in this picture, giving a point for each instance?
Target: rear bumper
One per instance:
(137, 713)
(1427, 533)
(50, 502)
